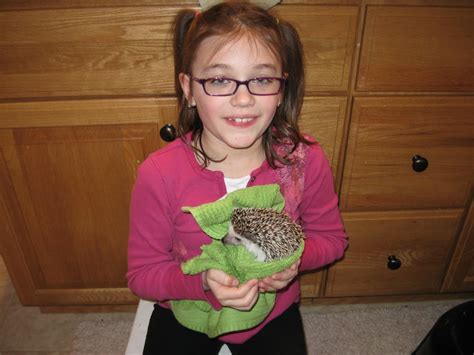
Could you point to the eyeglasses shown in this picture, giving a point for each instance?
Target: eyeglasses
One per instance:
(260, 86)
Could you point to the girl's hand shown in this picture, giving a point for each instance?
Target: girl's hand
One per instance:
(279, 280)
(228, 291)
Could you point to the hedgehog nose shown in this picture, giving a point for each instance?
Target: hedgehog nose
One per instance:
(228, 239)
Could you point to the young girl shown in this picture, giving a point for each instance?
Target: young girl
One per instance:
(239, 81)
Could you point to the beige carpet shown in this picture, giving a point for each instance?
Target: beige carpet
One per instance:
(101, 336)
(394, 328)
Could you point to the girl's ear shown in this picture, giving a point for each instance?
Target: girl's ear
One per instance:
(185, 83)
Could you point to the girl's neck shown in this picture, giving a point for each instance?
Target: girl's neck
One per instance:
(238, 165)
(238, 162)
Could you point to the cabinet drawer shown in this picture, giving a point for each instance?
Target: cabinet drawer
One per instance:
(420, 241)
(87, 52)
(417, 49)
(328, 35)
(385, 135)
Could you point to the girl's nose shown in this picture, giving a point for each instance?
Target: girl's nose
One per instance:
(242, 97)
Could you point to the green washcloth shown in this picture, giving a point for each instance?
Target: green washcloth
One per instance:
(214, 219)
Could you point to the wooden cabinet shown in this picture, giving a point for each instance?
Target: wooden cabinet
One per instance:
(85, 88)
(409, 164)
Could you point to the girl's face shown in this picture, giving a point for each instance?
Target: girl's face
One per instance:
(234, 122)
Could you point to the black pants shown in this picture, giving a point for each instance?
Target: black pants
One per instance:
(166, 336)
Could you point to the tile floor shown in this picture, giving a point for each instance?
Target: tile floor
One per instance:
(27, 331)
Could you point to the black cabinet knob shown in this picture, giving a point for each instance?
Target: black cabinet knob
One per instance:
(168, 132)
(393, 262)
(419, 163)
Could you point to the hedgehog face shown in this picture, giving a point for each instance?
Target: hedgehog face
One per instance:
(266, 233)
(236, 239)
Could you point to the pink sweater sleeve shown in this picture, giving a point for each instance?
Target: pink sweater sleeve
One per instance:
(326, 239)
(153, 273)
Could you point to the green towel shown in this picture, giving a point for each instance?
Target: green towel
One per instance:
(214, 219)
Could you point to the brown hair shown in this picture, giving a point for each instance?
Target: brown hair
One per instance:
(231, 20)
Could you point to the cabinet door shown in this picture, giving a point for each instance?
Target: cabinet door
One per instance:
(328, 36)
(323, 118)
(65, 194)
(409, 152)
(394, 253)
(310, 284)
(460, 275)
(417, 49)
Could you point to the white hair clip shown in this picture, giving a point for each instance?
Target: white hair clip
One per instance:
(265, 4)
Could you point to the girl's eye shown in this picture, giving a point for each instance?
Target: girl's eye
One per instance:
(218, 81)
(263, 81)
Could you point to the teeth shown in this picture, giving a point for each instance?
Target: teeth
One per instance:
(242, 120)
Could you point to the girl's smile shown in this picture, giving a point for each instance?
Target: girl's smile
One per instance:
(242, 120)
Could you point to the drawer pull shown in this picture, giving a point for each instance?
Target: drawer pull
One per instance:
(393, 262)
(419, 163)
(168, 132)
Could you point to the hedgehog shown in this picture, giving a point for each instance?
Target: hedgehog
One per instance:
(267, 234)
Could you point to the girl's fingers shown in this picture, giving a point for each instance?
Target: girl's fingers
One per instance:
(222, 278)
(248, 301)
(236, 293)
(236, 296)
(279, 280)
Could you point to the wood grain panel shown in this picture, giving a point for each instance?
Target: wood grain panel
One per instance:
(323, 118)
(48, 4)
(12, 236)
(328, 34)
(420, 240)
(62, 4)
(384, 136)
(417, 49)
(67, 191)
(79, 202)
(67, 113)
(310, 284)
(86, 52)
(460, 275)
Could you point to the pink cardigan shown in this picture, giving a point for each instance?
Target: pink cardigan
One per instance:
(162, 236)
